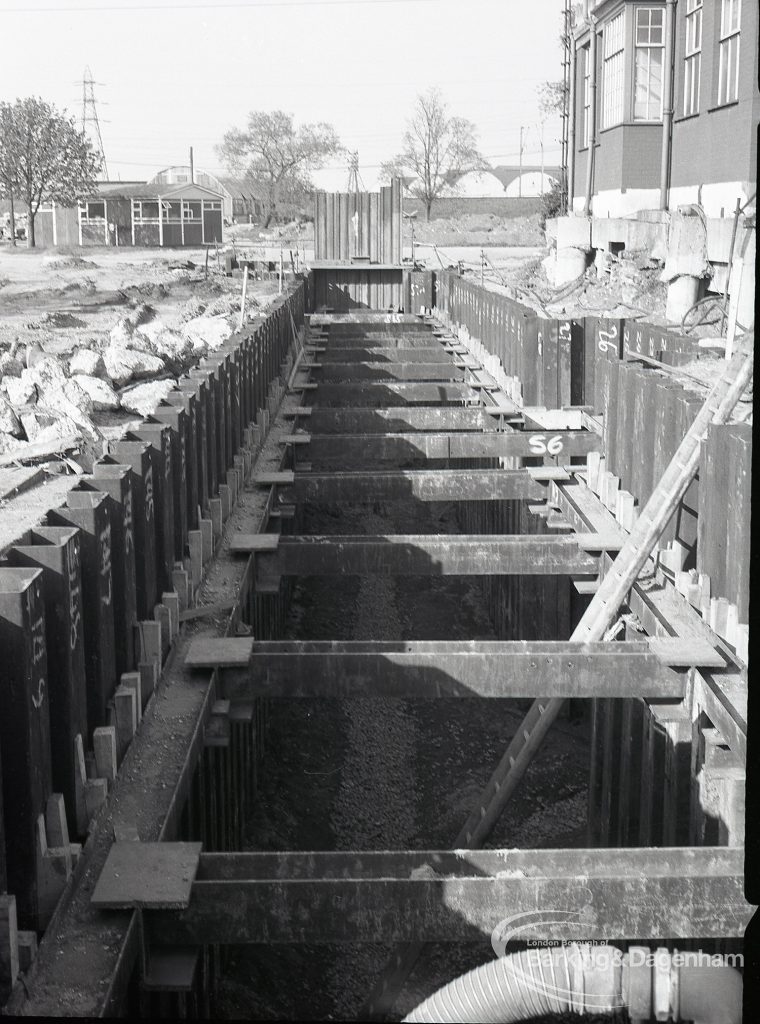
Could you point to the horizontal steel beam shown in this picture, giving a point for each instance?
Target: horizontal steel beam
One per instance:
(390, 393)
(450, 445)
(440, 370)
(399, 420)
(424, 485)
(368, 354)
(431, 669)
(460, 896)
(424, 555)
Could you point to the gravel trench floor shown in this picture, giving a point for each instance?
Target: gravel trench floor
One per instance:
(366, 774)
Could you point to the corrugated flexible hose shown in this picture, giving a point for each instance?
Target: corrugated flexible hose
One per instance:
(577, 978)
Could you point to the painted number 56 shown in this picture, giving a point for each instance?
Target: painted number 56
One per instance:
(539, 445)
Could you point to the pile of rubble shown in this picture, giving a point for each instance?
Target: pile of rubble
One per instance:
(55, 392)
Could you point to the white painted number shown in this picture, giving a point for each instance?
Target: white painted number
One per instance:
(540, 446)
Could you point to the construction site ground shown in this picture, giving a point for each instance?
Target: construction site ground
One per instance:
(57, 303)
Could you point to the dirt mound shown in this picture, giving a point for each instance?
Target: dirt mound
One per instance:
(60, 320)
(63, 261)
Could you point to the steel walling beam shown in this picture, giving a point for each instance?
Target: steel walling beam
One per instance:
(424, 485)
(449, 445)
(461, 896)
(399, 420)
(389, 393)
(421, 555)
(440, 370)
(422, 669)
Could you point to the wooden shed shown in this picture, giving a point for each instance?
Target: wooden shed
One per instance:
(135, 214)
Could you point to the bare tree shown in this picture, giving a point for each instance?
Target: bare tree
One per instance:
(551, 97)
(44, 157)
(276, 157)
(436, 149)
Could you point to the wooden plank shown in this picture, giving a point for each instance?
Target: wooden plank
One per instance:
(739, 502)
(254, 541)
(152, 876)
(682, 652)
(41, 449)
(268, 479)
(219, 652)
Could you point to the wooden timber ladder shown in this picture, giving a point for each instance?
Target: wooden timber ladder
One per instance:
(612, 592)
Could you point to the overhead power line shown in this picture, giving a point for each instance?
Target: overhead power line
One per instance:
(208, 6)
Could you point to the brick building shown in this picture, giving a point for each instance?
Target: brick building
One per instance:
(630, 59)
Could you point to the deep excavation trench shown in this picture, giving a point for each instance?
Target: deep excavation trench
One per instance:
(369, 774)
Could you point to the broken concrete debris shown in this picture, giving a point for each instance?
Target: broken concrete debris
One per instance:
(143, 398)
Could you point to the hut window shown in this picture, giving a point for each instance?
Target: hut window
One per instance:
(173, 211)
(94, 211)
(191, 211)
(145, 210)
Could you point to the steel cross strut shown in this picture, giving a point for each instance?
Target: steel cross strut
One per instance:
(612, 591)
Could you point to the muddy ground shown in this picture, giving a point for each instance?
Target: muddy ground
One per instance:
(385, 774)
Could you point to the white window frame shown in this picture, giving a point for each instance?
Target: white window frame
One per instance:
(648, 48)
(586, 96)
(692, 61)
(728, 52)
(613, 72)
(84, 211)
(187, 212)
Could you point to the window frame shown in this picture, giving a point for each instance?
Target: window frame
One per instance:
(586, 122)
(729, 39)
(84, 210)
(692, 59)
(613, 64)
(649, 47)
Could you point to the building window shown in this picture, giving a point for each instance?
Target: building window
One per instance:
(692, 57)
(144, 210)
(648, 61)
(614, 67)
(181, 179)
(586, 95)
(172, 211)
(728, 65)
(93, 211)
(191, 210)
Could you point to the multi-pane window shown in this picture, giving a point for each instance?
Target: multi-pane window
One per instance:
(648, 62)
(191, 210)
(144, 210)
(614, 71)
(93, 210)
(692, 57)
(728, 62)
(586, 95)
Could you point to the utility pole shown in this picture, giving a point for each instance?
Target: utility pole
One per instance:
(541, 134)
(90, 116)
(519, 180)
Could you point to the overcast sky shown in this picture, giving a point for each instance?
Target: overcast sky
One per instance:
(176, 74)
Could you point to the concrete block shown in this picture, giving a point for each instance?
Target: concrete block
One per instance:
(574, 231)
